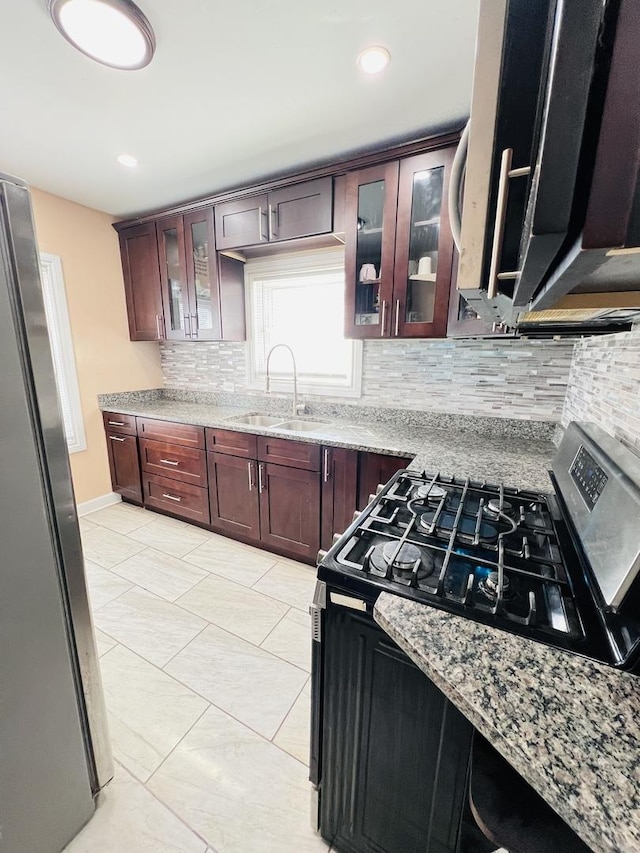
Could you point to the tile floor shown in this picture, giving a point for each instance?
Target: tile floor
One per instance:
(205, 656)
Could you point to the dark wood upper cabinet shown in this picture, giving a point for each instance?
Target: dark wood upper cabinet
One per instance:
(300, 210)
(173, 277)
(370, 223)
(203, 285)
(141, 271)
(399, 248)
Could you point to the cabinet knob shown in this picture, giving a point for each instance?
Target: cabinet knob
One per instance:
(321, 555)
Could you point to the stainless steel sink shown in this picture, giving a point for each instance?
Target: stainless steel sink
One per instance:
(256, 420)
(302, 426)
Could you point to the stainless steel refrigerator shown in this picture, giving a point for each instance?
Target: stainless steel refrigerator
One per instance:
(54, 743)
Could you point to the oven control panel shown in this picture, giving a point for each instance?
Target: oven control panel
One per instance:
(588, 477)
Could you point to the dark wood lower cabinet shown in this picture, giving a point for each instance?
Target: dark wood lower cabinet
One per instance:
(395, 751)
(233, 496)
(181, 499)
(339, 491)
(289, 509)
(124, 465)
(376, 468)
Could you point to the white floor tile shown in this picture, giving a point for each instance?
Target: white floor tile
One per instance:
(239, 610)
(129, 819)
(293, 735)
(107, 548)
(247, 682)
(239, 792)
(149, 712)
(148, 625)
(160, 573)
(121, 517)
(103, 586)
(175, 539)
(293, 583)
(229, 559)
(104, 643)
(85, 525)
(291, 639)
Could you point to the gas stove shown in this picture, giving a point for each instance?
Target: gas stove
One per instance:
(560, 568)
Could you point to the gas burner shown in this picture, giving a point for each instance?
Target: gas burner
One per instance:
(494, 510)
(466, 529)
(489, 586)
(432, 493)
(404, 561)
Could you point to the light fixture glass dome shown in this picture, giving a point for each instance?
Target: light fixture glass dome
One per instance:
(113, 32)
(374, 59)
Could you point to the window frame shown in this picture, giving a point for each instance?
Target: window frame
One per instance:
(53, 283)
(305, 263)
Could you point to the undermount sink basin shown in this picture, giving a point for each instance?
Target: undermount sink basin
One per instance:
(303, 426)
(257, 420)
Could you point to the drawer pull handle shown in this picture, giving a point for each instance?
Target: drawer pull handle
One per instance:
(116, 438)
(325, 473)
(116, 423)
(250, 476)
(261, 487)
(169, 462)
(172, 498)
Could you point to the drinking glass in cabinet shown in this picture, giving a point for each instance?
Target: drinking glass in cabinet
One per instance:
(426, 209)
(369, 253)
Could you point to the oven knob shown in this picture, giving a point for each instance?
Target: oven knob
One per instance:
(321, 555)
(336, 537)
(379, 488)
(371, 498)
(356, 515)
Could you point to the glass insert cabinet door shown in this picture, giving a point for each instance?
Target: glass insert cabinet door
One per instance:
(424, 247)
(202, 276)
(371, 196)
(173, 277)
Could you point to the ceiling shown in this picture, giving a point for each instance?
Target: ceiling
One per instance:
(237, 91)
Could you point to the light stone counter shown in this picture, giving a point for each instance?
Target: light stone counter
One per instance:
(490, 449)
(568, 725)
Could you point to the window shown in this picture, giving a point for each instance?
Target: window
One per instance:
(298, 300)
(64, 365)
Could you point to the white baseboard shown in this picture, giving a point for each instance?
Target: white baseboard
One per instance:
(98, 503)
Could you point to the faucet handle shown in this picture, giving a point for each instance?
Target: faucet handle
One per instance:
(301, 408)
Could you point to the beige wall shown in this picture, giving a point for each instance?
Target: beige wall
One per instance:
(106, 359)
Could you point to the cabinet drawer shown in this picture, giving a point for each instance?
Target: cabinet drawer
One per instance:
(114, 422)
(234, 443)
(172, 433)
(187, 464)
(295, 454)
(178, 498)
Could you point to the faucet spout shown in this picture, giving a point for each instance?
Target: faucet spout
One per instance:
(295, 374)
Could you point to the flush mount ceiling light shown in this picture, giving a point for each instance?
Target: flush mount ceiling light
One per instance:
(113, 32)
(127, 160)
(372, 60)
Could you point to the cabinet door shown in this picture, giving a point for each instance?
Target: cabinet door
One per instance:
(376, 468)
(173, 275)
(141, 271)
(202, 276)
(124, 465)
(233, 496)
(242, 223)
(301, 210)
(370, 222)
(424, 247)
(231, 283)
(395, 751)
(290, 510)
(339, 491)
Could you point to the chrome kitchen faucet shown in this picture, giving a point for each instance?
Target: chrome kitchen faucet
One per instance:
(296, 411)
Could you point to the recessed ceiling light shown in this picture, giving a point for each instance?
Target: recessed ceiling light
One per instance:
(127, 160)
(113, 32)
(373, 59)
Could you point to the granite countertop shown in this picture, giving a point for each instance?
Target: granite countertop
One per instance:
(511, 453)
(570, 726)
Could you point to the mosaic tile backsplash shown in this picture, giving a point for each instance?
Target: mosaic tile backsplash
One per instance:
(604, 385)
(506, 378)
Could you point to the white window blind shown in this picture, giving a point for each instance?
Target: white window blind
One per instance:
(299, 300)
(64, 365)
